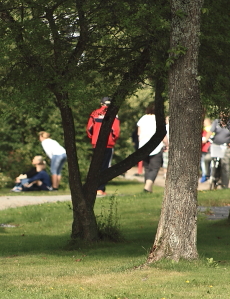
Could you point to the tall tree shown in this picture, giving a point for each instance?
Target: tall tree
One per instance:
(177, 230)
(49, 50)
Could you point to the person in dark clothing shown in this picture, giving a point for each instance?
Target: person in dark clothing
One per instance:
(41, 181)
(23, 177)
(35, 179)
(221, 138)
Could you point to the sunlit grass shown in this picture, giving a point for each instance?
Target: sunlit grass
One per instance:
(36, 260)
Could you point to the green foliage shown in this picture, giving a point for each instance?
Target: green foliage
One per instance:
(42, 54)
(19, 136)
(108, 221)
(211, 263)
(175, 53)
(181, 14)
(214, 60)
(4, 180)
(19, 139)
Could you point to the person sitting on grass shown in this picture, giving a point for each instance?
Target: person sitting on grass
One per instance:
(39, 181)
(23, 177)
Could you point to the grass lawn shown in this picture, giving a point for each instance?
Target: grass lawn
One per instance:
(37, 261)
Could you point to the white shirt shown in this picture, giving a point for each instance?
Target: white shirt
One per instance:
(167, 129)
(147, 125)
(52, 147)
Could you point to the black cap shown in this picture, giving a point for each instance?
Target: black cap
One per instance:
(106, 101)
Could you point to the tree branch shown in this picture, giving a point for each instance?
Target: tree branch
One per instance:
(83, 37)
(127, 85)
(134, 158)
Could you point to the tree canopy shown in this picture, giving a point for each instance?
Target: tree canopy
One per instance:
(69, 51)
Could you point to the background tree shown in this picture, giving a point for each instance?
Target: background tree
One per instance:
(214, 58)
(177, 231)
(50, 52)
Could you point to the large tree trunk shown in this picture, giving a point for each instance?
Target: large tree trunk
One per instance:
(177, 229)
(84, 221)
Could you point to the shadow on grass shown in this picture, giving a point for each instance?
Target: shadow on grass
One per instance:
(46, 229)
(39, 234)
(213, 240)
(23, 243)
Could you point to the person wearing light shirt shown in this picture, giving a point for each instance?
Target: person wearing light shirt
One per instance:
(152, 163)
(57, 155)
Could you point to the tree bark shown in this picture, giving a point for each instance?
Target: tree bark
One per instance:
(84, 221)
(84, 196)
(177, 229)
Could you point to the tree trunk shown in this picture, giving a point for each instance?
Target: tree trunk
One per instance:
(177, 230)
(84, 221)
(83, 197)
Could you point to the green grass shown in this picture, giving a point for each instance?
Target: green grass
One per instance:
(118, 185)
(220, 197)
(36, 261)
(7, 192)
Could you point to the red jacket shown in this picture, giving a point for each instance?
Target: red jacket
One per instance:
(205, 146)
(94, 126)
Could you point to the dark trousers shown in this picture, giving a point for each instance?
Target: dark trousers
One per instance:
(152, 164)
(105, 164)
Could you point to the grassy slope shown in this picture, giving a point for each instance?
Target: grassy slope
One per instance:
(37, 263)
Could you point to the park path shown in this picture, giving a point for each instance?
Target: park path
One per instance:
(212, 213)
(160, 181)
(24, 200)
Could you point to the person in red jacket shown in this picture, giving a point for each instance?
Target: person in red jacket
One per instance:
(93, 129)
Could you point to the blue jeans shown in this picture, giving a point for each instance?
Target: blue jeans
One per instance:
(203, 165)
(22, 182)
(57, 163)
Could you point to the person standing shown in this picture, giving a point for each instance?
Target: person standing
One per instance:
(205, 152)
(57, 155)
(93, 129)
(222, 136)
(152, 163)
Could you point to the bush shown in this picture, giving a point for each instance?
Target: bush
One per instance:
(108, 222)
(5, 181)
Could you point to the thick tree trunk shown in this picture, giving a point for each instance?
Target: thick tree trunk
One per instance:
(84, 221)
(177, 230)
